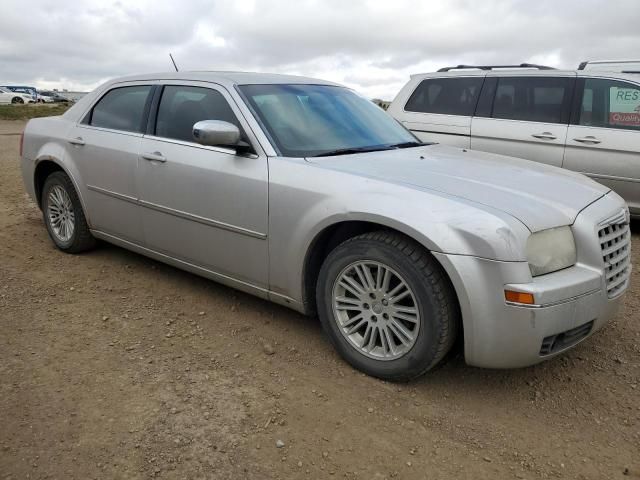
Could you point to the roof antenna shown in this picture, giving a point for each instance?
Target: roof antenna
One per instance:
(174, 62)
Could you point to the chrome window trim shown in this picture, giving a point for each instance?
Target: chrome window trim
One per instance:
(228, 151)
(110, 130)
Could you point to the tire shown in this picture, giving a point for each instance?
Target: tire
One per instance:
(15, 100)
(429, 330)
(60, 201)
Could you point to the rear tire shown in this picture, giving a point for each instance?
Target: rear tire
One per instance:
(63, 215)
(385, 283)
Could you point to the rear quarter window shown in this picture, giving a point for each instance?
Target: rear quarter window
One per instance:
(449, 96)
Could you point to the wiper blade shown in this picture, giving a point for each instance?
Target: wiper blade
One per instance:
(408, 145)
(348, 151)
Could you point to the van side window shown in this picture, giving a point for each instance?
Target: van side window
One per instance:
(533, 99)
(181, 107)
(450, 96)
(610, 104)
(121, 109)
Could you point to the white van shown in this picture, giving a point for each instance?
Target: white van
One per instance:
(586, 120)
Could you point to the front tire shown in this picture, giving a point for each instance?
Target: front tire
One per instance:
(15, 100)
(387, 306)
(63, 215)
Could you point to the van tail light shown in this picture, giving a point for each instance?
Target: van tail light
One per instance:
(21, 143)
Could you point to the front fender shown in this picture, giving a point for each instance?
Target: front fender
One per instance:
(304, 201)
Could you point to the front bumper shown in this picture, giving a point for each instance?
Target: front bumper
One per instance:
(571, 304)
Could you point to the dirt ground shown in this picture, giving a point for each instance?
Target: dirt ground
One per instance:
(116, 366)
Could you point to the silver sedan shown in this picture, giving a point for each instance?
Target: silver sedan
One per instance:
(302, 192)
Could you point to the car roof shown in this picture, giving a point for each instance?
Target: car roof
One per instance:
(228, 79)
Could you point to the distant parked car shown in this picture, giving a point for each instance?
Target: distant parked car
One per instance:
(51, 97)
(305, 193)
(43, 97)
(585, 120)
(7, 96)
(31, 91)
(621, 66)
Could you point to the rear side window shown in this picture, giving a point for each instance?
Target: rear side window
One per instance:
(450, 96)
(122, 109)
(181, 107)
(610, 104)
(533, 99)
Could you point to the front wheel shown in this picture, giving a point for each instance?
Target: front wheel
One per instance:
(63, 215)
(387, 306)
(15, 100)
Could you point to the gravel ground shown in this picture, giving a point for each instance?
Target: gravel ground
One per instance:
(116, 366)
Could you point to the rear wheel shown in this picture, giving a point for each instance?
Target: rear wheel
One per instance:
(17, 100)
(387, 306)
(63, 215)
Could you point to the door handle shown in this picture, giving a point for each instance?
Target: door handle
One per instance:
(76, 141)
(545, 136)
(588, 139)
(154, 157)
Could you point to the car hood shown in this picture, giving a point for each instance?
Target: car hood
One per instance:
(539, 195)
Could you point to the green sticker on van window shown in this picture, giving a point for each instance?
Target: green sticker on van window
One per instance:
(624, 106)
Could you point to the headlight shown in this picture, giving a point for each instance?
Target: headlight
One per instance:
(551, 250)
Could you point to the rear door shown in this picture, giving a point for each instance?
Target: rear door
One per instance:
(604, 136)
(105, 147)
(524, 116)
(440, 109)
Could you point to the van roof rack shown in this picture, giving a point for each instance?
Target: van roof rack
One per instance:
(491, 67)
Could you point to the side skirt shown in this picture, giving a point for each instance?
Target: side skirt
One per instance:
(203, 272)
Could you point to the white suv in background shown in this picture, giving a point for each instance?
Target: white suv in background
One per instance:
(584, 120)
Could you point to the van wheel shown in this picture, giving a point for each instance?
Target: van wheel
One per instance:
(387, 306)
(17, 100)
(63, 215)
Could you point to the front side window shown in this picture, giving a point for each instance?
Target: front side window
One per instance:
(121, 109)
(181, 107)
(610, 104)
(451, 96)
(533, 99)
(315, 120)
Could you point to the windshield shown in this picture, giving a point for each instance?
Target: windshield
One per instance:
(315, 120)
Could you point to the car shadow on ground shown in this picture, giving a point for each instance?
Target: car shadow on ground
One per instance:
(451, 376)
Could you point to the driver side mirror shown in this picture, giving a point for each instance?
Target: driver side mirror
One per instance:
(217, 133)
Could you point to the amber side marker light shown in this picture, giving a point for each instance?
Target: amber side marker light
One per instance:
(519, 297)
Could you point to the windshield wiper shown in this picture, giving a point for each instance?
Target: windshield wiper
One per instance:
(408, 144)
(348, 151)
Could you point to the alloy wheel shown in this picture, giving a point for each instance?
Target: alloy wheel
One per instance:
(376, 310)
(60, 213)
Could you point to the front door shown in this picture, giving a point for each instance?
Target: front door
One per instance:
(203, 205)
(604, 138)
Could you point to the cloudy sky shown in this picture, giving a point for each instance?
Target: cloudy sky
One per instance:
(370, 45)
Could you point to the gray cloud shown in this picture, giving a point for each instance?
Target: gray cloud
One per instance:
(371, 45)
